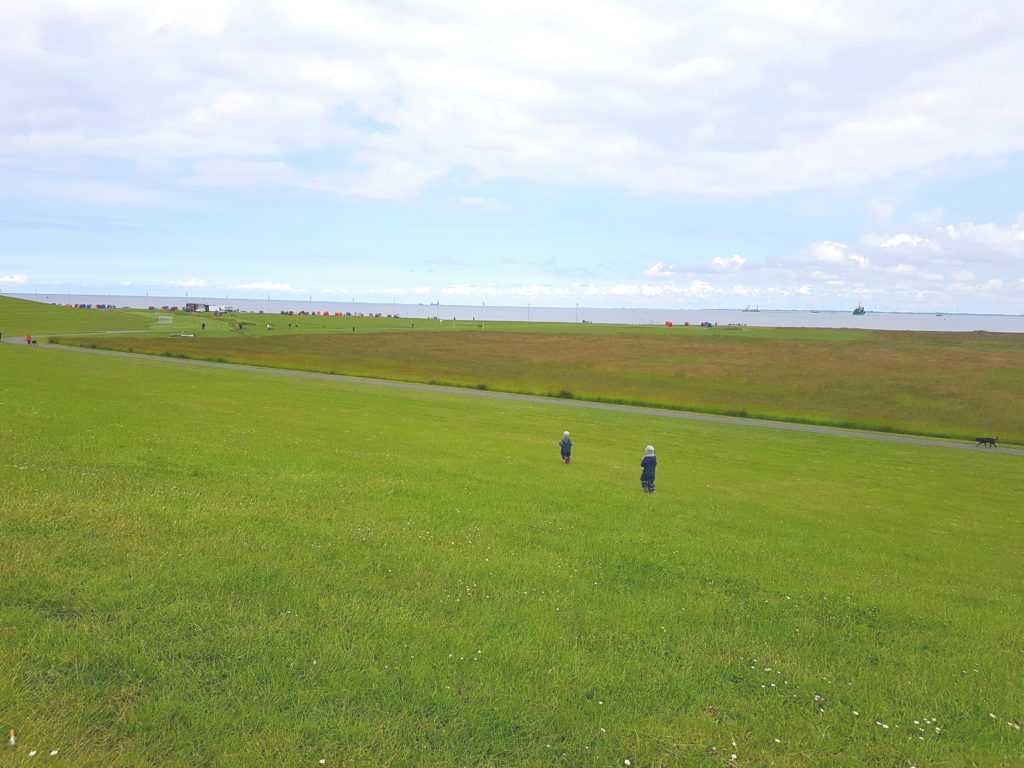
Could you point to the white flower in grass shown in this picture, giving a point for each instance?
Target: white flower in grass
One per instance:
(323, 761)
(32, 753)
(626, 762)
(54, 753)
(991, 715)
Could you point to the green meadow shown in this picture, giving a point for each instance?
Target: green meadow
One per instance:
(224, 567)
(953, 385)
(19, 317)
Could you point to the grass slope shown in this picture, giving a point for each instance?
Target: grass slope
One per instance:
(19, 317)
(942, 384)
(208, 567)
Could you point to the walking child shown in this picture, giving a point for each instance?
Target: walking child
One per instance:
(566, 445)
(649, 464)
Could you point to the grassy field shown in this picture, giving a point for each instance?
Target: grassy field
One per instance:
(957, 385)
(208, 567)
(20, 316)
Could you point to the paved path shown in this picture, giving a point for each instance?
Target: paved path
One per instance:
(529, 398)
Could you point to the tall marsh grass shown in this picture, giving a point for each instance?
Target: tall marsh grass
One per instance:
(939, 384)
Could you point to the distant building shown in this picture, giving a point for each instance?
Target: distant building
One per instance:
(195, 306)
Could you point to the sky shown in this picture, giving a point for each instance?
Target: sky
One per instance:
(667, 153)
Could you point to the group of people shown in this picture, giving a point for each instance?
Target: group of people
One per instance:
(648, 465)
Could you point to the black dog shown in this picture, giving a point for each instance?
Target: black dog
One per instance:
(988, 442)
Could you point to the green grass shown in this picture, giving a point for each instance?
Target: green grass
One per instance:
(956, 385)
(19, 317)
(209, 567)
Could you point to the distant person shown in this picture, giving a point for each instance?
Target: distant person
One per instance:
(1, 337)
(649, 464)
(270, 327)
(204, 326)
(28, 339)
(566, 445)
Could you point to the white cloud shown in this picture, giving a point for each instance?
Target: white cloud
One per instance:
(661, 269)
(836, 253)
(733, 262)
(193, 283)
(1009, 240)
(380, 100)
(933, 269)
(13, 279)
(265, 285)
(696, 288)
(895, 241)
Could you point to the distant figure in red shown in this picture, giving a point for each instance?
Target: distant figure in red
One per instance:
(28, 339)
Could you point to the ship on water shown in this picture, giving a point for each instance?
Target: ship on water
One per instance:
(860, 310)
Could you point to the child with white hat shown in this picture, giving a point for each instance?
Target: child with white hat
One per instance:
(566, 445)
(649, 464)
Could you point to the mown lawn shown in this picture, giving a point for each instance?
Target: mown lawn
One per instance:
(207, 567)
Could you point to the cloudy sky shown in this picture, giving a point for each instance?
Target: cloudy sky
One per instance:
(671, 153)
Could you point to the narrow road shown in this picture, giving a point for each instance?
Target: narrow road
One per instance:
(530, 398)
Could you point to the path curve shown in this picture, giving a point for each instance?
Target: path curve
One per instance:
(529, 398)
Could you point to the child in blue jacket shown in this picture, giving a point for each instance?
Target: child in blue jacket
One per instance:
(649, 464)
(566, 445)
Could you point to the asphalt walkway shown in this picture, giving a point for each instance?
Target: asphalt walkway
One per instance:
(529, 398)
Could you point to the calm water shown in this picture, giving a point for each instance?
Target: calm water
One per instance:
(893, 321)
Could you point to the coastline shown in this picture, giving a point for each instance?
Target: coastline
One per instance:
(890, 321)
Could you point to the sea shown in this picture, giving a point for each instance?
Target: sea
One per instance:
(767, 318)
